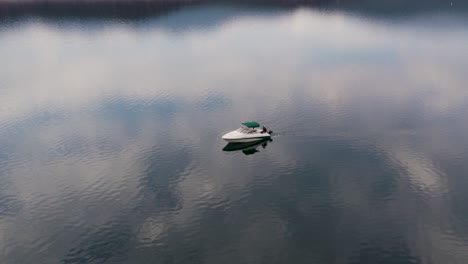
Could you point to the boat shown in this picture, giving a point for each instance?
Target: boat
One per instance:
(248, 132)
(247, 148)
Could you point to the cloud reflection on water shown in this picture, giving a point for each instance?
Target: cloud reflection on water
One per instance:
(121, 105)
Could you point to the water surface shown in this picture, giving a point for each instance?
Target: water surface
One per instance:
(110, 148)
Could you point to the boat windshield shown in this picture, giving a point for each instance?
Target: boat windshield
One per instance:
(246, 130)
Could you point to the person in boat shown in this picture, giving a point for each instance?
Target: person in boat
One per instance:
(264, 130)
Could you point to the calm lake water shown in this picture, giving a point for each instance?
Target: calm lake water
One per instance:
(110, 148)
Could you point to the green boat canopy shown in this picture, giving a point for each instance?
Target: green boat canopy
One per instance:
(251, 124)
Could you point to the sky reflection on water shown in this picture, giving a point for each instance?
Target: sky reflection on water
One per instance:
(110, 145)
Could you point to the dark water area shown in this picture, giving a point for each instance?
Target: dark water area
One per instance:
(111, 149)
(11, 10)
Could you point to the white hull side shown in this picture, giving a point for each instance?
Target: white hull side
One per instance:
(233, 140)
(249, 136)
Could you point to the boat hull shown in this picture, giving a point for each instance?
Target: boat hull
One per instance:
(241, 140)
(246, 135)
(242, 146)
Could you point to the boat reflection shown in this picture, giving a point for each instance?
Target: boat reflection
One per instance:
(248, 148)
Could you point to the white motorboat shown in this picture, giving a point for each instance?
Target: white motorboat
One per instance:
(249, 132)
